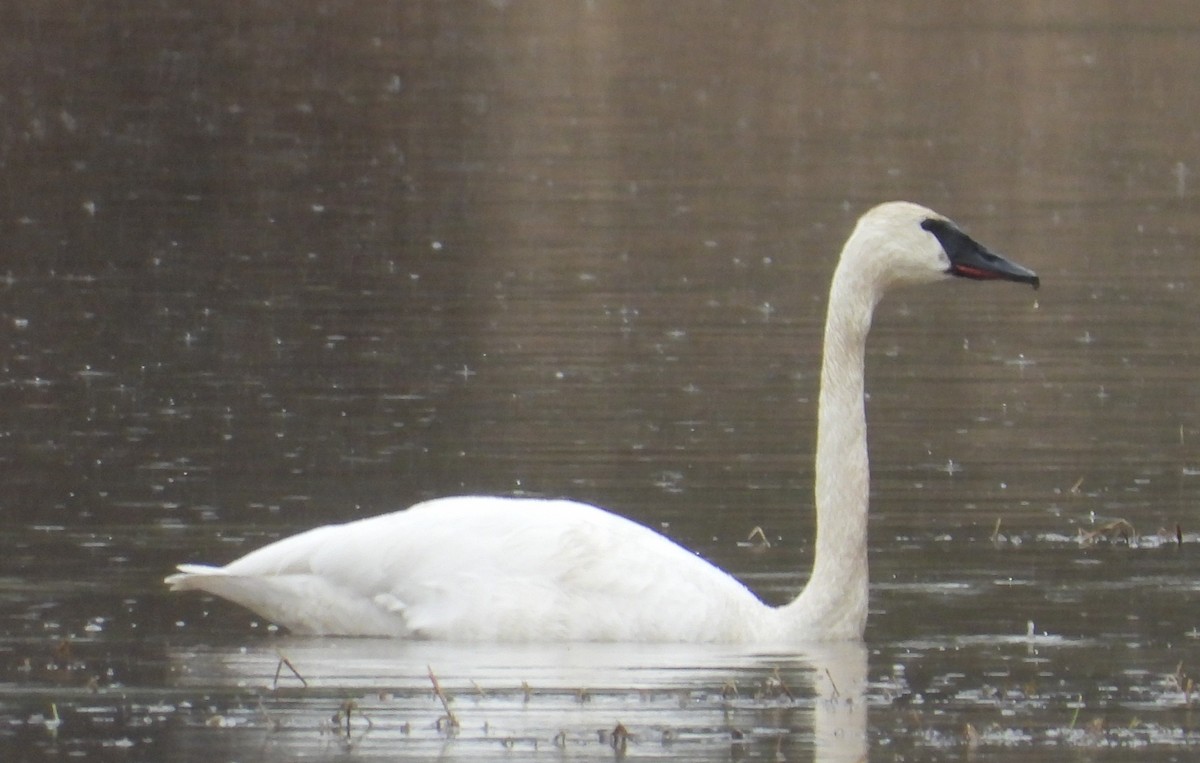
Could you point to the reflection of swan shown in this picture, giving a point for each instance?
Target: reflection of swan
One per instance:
(485, 568)
(805, 702)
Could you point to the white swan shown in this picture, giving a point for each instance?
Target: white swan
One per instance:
(509, 569)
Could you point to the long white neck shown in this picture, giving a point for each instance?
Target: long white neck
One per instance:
(834, 602)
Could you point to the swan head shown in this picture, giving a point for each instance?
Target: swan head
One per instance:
(900, 242)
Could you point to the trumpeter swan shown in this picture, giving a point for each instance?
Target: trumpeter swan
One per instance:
(517, 569)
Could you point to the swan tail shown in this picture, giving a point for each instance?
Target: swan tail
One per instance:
(191, 577)
(303, 603)
(263, 595)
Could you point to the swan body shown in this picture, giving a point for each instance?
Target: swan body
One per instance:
(481, 568)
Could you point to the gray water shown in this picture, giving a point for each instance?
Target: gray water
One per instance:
(266, 266)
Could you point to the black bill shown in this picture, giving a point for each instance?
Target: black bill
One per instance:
(970, 259)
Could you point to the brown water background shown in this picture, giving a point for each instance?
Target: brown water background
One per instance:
(269, 265)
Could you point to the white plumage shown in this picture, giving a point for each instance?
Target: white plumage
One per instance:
(479, 568)
(485, 568)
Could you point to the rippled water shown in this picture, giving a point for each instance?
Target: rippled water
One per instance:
(264, 267)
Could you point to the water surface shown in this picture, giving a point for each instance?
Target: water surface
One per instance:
(265, 267)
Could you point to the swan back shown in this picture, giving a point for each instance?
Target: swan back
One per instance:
(483, 568)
